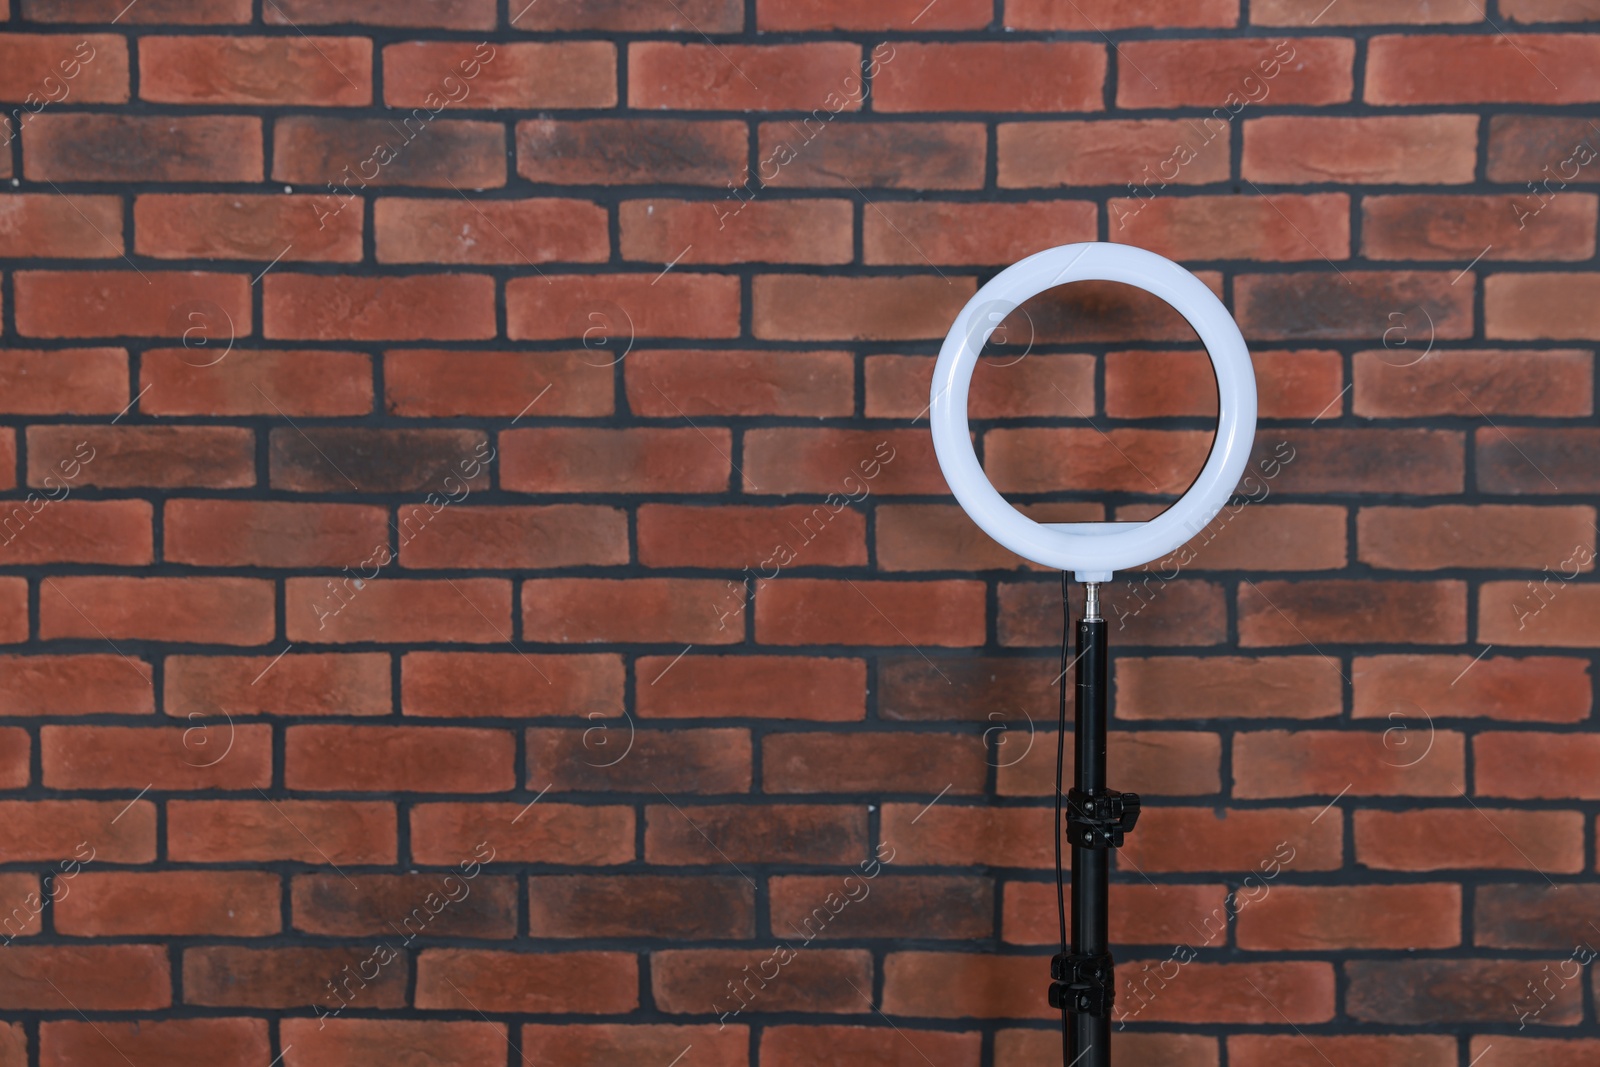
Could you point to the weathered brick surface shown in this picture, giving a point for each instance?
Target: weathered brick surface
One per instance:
(475, 580)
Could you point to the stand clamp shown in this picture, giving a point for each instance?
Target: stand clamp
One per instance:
(1082, 983)
(1100, 821)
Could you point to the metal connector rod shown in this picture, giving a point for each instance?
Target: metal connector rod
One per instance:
(1091, 601)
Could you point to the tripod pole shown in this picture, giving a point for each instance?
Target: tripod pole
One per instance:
(1096, 820)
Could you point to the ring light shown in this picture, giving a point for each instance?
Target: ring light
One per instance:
(1093, 550)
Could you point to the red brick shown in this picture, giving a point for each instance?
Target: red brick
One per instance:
(218, 457)
(417, 307)
(208, 754)
(1413, 461)
(544, 832)
(1150, 152)
(1499, 226)
(1087, 312)
(337, 459)
(307, 1042)
(915, 906)
(100, 977)
(1528, 149)
(1015, 383)
(640, 610)
(1359, 304)
(565, 74)
(1185, 763)
(1230, 75)
(1400, 761)
(1520, 460)
(1141, 914)
(1377, 1050)
(641, 906)
(330, 611)
(517, 538)
(786, 833)
(579, 1045)
(122, 303)
(16, 749)
(872, 762)
(592, 760)
(1095, 15)
(111, 831)
(844, 464)
(872, 155)
(380, 759)
(506, 684)
(226, 611)
(342, 905)
(198, 381)
(1534, 915)
(930, 537)
(260, 226)
(969, 688)
(1535, 688)
(1538, 1052)
(1035, 460)
(1373, 149)
(348, 155)
(288, 977)
(794, 611)
(89, 68)
(1282, 226)
(632, 151)
(1460, 535)
(1182, 687)
(316, 71)
(609, 311)
(58, 530)
(737, 231)
(40, 224)
(864, 1046)
(918, 232)
(1290, 537)
(1151, 384)
(950, 834)
(824, 75)
(421, 383)
(691, 383)
(1413, 991)
(448, 14)
(597, 983)
(1528, 766)
(1204, 839)
(1363, 12)
(295, 684)
(641, 460)
(13, 610)
(1051, 76)
(175, 11)
(761, 540)
(333, 832)
(1038, 1048)
(170, 904)
(75, 685)
(1480, 68)
(1337, 611)
(1546, 10)
(1394, 383)
(779, 687)
(696, 980)
(1546, 612)
(798, 307)
(223, 533)
(514, 232)
(63, 381)
(1439, 839)
(83, 147)
(102, 1043)
(699, 16)
(1533, 306)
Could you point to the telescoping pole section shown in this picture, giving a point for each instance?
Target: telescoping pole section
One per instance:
(1096, 820)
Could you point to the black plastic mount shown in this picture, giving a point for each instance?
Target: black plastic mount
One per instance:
(1083, 983)
(1100, 821)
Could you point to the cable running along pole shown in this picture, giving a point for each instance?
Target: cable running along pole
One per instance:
(1090, 816)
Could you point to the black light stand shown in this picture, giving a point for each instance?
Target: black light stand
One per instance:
(1097, 818)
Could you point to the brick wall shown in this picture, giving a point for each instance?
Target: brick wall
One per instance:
(475, 585)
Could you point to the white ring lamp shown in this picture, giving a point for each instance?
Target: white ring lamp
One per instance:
(1093, 550)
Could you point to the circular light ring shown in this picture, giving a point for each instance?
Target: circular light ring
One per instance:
(1094, 550)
